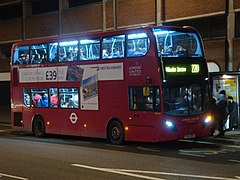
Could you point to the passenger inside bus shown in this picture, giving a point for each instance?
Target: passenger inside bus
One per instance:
(44, 100)
(54, 99)
(55, 59)
(27, 99)
(45, 58)
(105, 53)
(169, 49)
(82, 55)
(191, 100)
(24, 59)
(69, 56)
(36, 100)
(61, 57)
(40, 100)
(130, 51)
(71, 103)
(36, 59)
(180, 50)
(117, 53)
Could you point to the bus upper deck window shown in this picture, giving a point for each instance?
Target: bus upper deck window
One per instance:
(89, 49)
(68, 51)
(38, 54)
(21, 55)
(174, 43)
(53, 54)
(113, 47)
(137, 44)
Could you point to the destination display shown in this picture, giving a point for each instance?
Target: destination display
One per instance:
(183, 69)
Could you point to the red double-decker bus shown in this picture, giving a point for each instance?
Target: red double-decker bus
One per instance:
(144, 84)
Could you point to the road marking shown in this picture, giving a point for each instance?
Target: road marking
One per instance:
(230, 140)
(232, 146)
(112, 145)
(194, 141)
(82, 142)
(116, 172)
(186, 140)
(204, 142)
(128, 172)
(14, 177)
(233, 160)
(177, 174)
(195, 155)
(7, 125)
(150, 149)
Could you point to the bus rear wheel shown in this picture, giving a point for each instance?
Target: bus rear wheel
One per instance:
(115, 132)
(38, 127)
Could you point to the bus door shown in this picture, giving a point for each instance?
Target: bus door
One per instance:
(144, 102)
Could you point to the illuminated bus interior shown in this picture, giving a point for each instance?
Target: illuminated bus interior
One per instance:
(132, 45)
(173, 43)
(185, 100)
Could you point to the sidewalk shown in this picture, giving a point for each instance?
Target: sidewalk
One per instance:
(230, 137)
(231, 133)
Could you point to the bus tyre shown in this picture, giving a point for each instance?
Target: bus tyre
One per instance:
(38, 127)
(115, 132)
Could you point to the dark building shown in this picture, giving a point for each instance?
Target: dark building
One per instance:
(217, 21)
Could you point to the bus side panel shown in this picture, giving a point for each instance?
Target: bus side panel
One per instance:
(17, 107)
(141, 133)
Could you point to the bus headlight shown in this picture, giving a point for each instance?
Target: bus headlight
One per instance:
(170, 125)
(207, 120)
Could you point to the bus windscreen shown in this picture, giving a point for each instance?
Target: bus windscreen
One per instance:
(177, 43)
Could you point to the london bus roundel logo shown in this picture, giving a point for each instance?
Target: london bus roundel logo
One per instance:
(73, 118)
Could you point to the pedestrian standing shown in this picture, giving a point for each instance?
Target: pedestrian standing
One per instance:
(233, 113)
(221, 114)
(213, 110)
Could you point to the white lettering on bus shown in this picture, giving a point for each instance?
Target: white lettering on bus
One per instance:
(110, 67)
(135, 70)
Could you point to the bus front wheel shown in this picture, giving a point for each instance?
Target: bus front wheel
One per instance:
(115, 132)
(38, 127)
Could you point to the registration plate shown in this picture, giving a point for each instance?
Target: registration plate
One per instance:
(189, 136)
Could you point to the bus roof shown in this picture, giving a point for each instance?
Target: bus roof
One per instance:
(101, 34)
